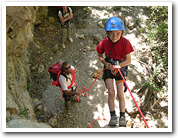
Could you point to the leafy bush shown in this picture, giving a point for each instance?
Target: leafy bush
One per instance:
(158, 36)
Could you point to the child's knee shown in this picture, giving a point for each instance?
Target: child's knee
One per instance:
(120, 95)
(111, 92)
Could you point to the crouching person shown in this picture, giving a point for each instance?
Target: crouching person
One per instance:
(65, 80)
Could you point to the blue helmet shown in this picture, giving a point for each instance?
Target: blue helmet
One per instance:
(114, 24)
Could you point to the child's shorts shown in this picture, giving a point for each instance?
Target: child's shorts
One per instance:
(107, 74)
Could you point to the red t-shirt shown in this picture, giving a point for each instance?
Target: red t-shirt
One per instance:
(119, 51)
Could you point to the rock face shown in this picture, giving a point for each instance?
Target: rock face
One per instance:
(20, 22)
(42, 13)
(19, 25)
(80, 23)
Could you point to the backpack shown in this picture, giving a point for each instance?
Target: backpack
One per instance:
(59, 7)
(55, 71)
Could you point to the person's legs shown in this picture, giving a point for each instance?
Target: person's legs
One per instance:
(67, 99)
(111, 94)
(69, 33)
(64, 33)
(67, 105)
(120, 96)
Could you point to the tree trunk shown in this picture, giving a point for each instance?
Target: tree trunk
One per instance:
(147, 99)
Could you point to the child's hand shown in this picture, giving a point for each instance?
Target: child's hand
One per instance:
(108, 66)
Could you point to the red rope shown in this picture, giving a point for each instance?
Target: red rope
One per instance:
(134, 100)
(98, 119)
(82, 93)
(85, 90)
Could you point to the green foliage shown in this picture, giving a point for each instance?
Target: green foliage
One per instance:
(23, 112)
(158, 25)
(158, 36)
(116, 8)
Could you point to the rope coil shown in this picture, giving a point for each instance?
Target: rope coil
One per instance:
(82, 93)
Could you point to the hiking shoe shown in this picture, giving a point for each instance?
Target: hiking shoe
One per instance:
(113, 121)
(122, 122)
(71, 40)
(63, 45)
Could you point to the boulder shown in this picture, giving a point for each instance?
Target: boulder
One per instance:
(121, 16)
(53, 122)
(104, 21)
(36, 102)
(96, 73)
(25, 123)
(100, 24)
(98, 37)
(80, 23)
(40, 69)
(81, 36)
(130, 22)
(55, 47)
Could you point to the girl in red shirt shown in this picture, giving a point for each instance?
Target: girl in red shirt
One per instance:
(116, 48)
